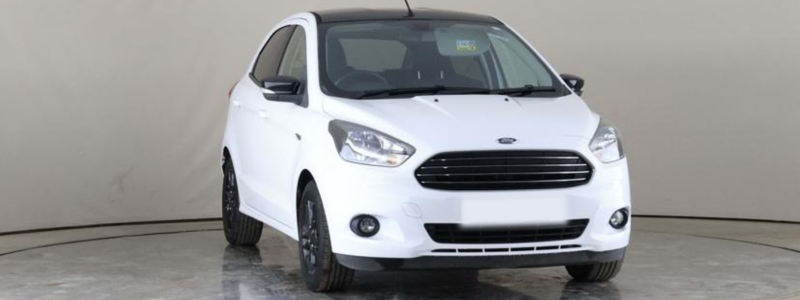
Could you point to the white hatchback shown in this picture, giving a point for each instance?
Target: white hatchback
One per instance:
(385, 139)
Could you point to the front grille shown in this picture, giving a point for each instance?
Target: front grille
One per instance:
(504, 170)
(456, 234)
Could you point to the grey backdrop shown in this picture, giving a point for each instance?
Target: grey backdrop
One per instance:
(112, 111)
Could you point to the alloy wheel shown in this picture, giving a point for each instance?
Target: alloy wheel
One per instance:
(310, 238)
(231, 201)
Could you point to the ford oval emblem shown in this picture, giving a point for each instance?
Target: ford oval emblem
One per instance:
(506, 140)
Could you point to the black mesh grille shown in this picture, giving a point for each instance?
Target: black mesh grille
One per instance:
(455, 234)
(504, 170)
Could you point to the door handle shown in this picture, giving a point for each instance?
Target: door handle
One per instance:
(236, 104)
(262, 114)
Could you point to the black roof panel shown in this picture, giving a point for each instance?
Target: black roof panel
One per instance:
(364, 14)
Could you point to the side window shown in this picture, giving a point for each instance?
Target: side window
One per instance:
(293, 63)
(270, 57)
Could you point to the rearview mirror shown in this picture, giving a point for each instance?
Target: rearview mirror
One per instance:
(272, 87)
(574, 82)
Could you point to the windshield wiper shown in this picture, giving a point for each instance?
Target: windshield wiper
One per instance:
(432, 90)
(526, 90)
(440, 89)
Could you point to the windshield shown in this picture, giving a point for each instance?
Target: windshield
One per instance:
(404, 58)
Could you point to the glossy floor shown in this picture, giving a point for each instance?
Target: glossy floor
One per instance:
(196, 263)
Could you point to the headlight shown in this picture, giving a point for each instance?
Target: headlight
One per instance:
(607, 143)
(362, 145)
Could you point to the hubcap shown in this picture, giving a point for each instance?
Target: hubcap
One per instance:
(310, 238)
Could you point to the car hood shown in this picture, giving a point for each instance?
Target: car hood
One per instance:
(471, 121)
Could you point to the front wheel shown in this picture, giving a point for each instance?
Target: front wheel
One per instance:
(321, 271)
(240, 229)
(599, 272)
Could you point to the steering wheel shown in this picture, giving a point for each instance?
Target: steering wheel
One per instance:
(361, 76)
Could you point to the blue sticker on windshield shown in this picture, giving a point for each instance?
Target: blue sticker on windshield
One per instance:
(466, 45)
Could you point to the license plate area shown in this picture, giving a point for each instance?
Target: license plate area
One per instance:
(503, 212)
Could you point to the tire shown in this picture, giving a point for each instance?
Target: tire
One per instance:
(240, 229)
(600, 272)
(321, 271)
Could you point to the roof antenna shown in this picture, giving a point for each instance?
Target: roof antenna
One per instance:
(410, 12)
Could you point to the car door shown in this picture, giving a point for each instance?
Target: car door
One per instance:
(269, 143)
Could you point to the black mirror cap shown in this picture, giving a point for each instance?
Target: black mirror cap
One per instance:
(574, 82)
(280, 85)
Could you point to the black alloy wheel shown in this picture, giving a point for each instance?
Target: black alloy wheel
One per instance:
(240, 229)
(321, 271)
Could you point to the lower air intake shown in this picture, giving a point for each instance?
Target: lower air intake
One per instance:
(456, 234)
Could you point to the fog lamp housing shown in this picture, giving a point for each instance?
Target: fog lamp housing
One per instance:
(619, 219)
(365, 226)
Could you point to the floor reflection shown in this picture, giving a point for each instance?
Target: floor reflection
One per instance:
(247, 276)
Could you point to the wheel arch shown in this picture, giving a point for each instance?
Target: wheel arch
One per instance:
(304, 178)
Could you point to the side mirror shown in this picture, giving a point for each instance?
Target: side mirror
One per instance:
(273, 87)
(574, 82)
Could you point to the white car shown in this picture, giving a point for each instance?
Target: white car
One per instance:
(392, 139)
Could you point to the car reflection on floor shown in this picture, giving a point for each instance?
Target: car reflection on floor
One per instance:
(248, 276)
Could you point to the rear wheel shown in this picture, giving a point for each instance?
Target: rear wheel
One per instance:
(321, 271)
(240, 229)
(595, 272)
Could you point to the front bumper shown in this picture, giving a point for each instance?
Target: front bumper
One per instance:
(403, 207)
(477, 262)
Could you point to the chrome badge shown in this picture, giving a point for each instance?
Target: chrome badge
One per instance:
(506, 140)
